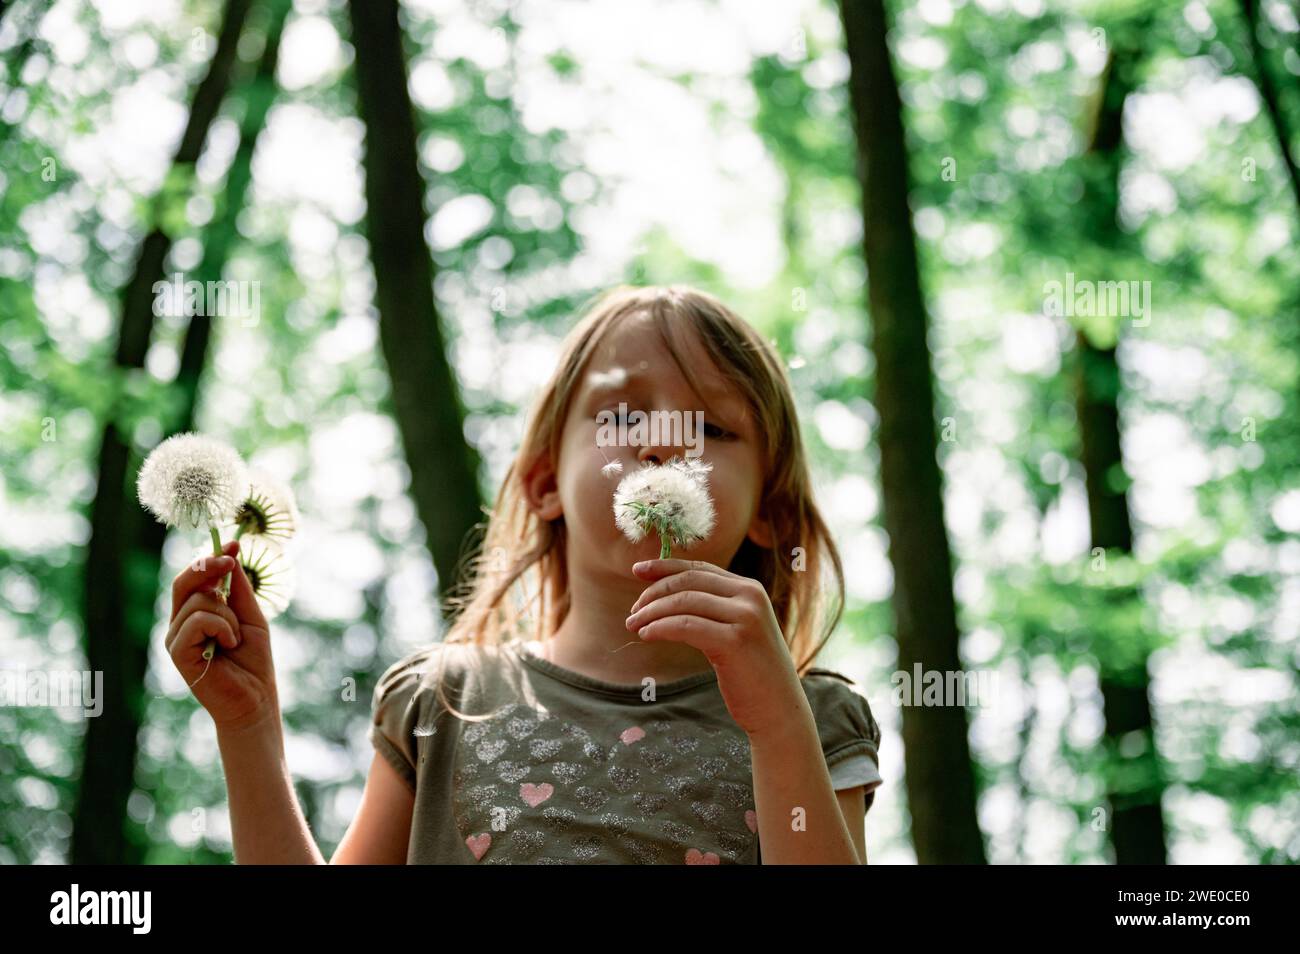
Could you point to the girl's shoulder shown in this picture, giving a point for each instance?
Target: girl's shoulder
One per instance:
(818, 671)
(413, 693)
(426, 667)
(842, 713)
(829, 684)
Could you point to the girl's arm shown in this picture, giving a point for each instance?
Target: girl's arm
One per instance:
(240, 693)
(790, 774)
(853, 806)
(381, 831)
(268, 824)
(266, 821)
(730, 619)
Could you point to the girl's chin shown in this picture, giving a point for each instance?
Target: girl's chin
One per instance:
(623, 553)
(649, 548)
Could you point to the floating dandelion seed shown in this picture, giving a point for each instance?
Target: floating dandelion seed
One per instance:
(270, 573)
(670, 499)
(611, 467)
(269, 510)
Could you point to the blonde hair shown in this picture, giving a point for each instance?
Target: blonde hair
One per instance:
(522, 551)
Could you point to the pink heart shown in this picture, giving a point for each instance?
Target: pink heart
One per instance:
(634, 734)
(534, 795)
(693, 857)
(751, 820)
(479, 845)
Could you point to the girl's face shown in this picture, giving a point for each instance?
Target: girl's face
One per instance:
(634, 367)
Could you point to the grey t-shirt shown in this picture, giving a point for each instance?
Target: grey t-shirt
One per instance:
(570, 769)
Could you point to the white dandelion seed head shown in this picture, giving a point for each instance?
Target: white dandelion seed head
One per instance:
(669, 499)
(269, 510)
(191, 481)
(615, 466)
(270, 572)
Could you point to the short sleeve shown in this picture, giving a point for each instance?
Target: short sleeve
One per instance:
(849, 734)
(854, 771)
(395, 712)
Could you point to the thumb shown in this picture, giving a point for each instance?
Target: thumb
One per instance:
(242, 598)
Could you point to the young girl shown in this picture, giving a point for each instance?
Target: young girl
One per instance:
(592, 703)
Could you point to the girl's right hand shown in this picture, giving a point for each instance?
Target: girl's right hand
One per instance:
(238, 689)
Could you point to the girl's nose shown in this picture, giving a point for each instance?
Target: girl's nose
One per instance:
(656, 454)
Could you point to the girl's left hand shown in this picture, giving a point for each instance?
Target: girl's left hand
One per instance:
(728, 618)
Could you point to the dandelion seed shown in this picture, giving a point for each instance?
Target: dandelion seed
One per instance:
(615, 466)
(670, 499)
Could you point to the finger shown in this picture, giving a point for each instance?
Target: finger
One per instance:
(657, 569)
(201, 602)
(706, 635)
(695, 602)
(243, 600)
(689, 580)
(207, 569)
(197, 630)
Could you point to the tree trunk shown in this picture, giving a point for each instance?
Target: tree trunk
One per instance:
(425, 394)
(1137, 825)
(1268, 93)
(27, 26)
(222, 232)
(123, 562)
(940, 777)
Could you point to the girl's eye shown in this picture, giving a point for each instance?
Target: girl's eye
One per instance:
(712, 431)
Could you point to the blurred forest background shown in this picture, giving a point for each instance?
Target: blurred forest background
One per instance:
(1102, 509)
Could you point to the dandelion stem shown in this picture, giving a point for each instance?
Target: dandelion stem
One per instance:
(665, 546)
(223, 590)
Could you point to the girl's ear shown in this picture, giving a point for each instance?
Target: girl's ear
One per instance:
(542, 489)
(760, 531)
